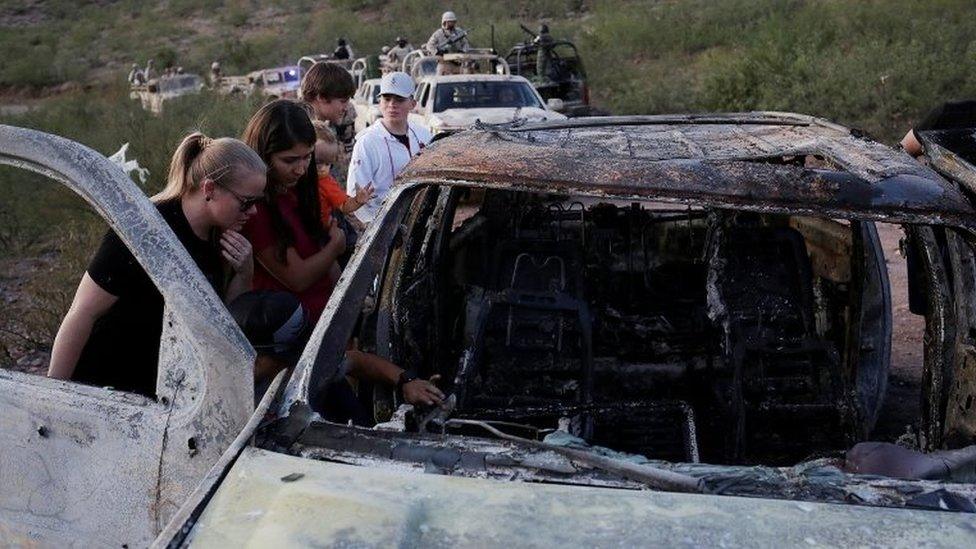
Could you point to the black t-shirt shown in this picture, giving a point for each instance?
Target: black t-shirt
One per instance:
(123, 349)
(402, 139)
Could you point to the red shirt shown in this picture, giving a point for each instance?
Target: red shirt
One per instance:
(260, 233)
(331, 196)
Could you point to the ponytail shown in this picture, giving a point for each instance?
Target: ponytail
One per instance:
(199, 157)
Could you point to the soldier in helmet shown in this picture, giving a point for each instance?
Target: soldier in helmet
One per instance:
(449, 38)
(398, 52)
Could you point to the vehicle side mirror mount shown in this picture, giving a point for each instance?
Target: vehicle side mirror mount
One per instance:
(555, 103)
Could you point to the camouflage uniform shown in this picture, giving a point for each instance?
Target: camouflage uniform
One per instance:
(396, 54)
(440, 41)
(544, 42)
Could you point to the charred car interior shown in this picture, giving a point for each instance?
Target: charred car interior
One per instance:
(707, 296)
(678, 333)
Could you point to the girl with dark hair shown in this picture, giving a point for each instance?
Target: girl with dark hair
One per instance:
(110, 334)
(287, 232)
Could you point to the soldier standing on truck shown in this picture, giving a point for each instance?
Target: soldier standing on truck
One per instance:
(342, 51)
(543, 42)
(449, 38)
(135, 76)
(398, 52)
(215, 74)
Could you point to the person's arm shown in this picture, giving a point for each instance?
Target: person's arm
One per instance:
(299, 274)
(89, 304)
(363, 195)
(433, 43)
(911, 144)
(370, 367)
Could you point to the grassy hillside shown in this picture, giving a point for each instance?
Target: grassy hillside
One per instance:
(872, 64)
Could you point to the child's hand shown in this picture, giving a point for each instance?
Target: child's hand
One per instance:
(364, 194)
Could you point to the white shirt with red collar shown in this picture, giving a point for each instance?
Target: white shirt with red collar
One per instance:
(378, 157)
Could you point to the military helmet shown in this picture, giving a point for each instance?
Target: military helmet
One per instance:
(448, 16)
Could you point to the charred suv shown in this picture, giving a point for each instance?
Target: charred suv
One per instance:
(637, 320)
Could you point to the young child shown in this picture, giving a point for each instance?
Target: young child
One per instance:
(331, 195)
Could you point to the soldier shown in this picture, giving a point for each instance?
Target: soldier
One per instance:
(215, 74)
(449, 38)
(399, 52)
(543, 42)
(135, 76)
(342, 51)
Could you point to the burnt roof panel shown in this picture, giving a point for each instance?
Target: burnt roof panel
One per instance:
(719, 160)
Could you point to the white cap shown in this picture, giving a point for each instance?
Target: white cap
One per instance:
(448, 16)
(397, 83)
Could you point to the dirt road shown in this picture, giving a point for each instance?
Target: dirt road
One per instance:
(901, 405)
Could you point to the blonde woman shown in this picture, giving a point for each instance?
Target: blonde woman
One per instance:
(110, 334)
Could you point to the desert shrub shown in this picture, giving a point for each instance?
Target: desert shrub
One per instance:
(47, 234)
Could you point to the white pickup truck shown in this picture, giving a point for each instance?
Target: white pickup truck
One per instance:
(449, 103)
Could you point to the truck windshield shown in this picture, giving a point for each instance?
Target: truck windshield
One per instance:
(482, 95)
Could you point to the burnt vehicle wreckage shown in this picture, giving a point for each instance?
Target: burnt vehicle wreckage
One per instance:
(635, 305)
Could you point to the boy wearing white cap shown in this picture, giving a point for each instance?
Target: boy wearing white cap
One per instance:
(382, 150)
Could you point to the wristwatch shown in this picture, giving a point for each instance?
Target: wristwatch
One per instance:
(405, 377)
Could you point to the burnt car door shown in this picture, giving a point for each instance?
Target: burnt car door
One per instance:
(91, 466)
(948, 265)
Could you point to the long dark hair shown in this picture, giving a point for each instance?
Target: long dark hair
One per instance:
(279, 126)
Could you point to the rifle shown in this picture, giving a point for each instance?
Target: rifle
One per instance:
(440, 50)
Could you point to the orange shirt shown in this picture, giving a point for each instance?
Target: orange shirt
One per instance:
(331, 196)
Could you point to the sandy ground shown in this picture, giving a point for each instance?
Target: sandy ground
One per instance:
(901, 406)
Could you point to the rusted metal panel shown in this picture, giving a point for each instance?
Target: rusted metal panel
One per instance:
(204, 388)
(273, 499)
(731, 161)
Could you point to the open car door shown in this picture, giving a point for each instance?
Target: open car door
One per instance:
(91, 466)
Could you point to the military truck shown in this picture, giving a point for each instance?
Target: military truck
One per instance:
(155, 93)
(565, 78)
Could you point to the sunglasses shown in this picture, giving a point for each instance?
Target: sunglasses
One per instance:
(247, 202)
